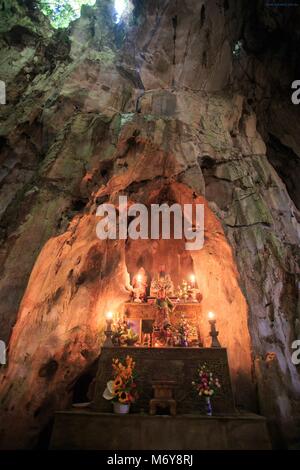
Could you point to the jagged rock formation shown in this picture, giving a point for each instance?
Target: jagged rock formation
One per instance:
(160, 108)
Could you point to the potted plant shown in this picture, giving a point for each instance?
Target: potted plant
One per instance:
(131, 337)
(123, 334)
(122, 389)
(206, 386)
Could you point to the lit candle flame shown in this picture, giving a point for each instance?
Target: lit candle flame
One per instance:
(109, 315)
(211, 315)
(139, 278)
(193, 278)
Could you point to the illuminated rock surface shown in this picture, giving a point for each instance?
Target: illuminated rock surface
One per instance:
(164, 111)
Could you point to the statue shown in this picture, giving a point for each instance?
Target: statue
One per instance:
(162, 281)
(162, 333)
(139, 284)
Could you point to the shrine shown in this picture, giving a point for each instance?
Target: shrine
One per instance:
(156, 373)
(150, 221)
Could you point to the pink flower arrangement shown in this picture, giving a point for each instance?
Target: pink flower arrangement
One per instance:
(206, 384)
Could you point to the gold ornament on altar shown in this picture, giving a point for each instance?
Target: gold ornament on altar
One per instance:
(162, 282)
(188, 292)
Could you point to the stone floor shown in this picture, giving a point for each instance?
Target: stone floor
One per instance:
(84, 429)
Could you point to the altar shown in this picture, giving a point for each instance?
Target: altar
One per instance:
(141, 317)
(95, 427)
(156, 386)
(158, 314)
(179, 365)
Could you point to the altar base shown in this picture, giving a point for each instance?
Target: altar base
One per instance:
(89, 430)
(179, 365)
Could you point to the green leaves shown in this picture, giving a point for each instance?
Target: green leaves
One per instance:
(62, 12)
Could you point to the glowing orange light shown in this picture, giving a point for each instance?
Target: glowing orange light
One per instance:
(109, 315)
(193, 278)
(211, 315)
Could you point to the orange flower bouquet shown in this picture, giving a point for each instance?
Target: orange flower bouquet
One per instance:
(122, 389)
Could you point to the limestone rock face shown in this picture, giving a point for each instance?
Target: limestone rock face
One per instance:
(158, 110)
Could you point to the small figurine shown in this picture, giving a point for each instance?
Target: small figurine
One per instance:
(147, 340)
(169, 336)
(162, 324)
(165, 306)
(163, 337)
(139, 284)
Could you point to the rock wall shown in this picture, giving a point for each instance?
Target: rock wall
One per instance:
(161, 105)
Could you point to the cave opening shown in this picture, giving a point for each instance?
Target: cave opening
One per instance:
(120, 7)
(61, 13)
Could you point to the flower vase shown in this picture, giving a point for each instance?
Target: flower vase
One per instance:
(184, 343)
(208, 407)
(121, 408)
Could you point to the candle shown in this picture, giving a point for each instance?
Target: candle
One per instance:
(213, 331)
(211, 316)
(109, 315)
(193, 280)
(108, 333)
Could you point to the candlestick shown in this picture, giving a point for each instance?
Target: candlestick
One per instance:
(108, 333)
(213, 332)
